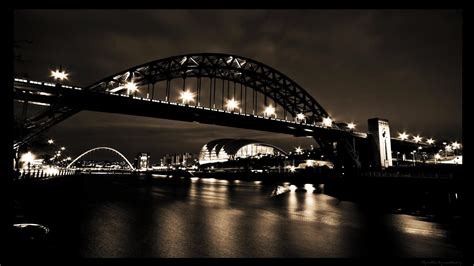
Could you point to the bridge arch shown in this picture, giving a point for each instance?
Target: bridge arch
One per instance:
(245, 71)
(101, 148)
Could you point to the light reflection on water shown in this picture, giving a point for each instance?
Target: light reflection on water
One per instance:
(218, 218)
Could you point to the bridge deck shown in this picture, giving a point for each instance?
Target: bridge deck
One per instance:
(124, 104)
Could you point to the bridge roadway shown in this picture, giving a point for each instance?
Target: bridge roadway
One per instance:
(49, 93)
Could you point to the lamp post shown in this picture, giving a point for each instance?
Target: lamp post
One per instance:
(455, 145)
(413, 153)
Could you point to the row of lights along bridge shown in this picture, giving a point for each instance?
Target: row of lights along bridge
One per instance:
(187, 96)
(231, 105)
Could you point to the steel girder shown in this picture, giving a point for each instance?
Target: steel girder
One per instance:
(250, 73)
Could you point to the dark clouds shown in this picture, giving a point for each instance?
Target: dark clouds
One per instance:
(401, 65)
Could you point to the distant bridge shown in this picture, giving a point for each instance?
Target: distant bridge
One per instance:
(101, 148)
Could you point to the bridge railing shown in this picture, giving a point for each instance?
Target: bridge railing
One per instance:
(28, 174)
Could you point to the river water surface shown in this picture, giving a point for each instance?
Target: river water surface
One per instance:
(219, 218)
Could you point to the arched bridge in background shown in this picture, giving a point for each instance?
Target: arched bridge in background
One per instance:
(210, 88)
(101, 148)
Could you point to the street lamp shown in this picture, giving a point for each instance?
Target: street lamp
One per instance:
(455, 145)
(50, 141)
(300, 117)
(269, 111)
(187, 96)
(292, 169)
(327, 121)
(430, 141)
(403, 136)
(417, 138)
(298, 150)
(131, 87)
(59, 74)
(448, 149)
(351, 126)
(232, 104)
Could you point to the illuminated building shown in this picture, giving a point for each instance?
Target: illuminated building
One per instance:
(142, 161)
(222, 150)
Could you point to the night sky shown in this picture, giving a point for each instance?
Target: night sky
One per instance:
(402, 65)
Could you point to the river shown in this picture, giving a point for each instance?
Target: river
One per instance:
(100, 216)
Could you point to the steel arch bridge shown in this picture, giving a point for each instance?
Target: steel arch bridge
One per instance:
(261, 78)
(215, 80)
(101, 148)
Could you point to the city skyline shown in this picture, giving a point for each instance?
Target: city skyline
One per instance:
(404, 66)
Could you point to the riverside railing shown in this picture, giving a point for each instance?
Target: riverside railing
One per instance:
(23, 174)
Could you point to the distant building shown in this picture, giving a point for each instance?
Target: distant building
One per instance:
(142, 161)
(222, 150)
(178, 159)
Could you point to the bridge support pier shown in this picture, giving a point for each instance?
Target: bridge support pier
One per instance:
(381, 142)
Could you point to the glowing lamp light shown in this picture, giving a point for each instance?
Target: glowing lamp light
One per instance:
(59, 74)
(417, 138)
(309, 163)
(293, 188)
(187, 96)
(300, 117)
(269, 111)
(430, 141)
(437, 156)
(309, 187)
(232, 104)
(455, 145)
(351, 126)
(403, 136)
(298, 150)
(27, 157)
(327, 122)
(50, 141)
(449, 148)
(63, 148)
(292, 169)
(131, 87)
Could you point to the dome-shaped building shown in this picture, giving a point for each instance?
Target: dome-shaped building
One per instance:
(222, 150)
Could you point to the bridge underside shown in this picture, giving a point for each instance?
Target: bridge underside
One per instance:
(102, 102)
